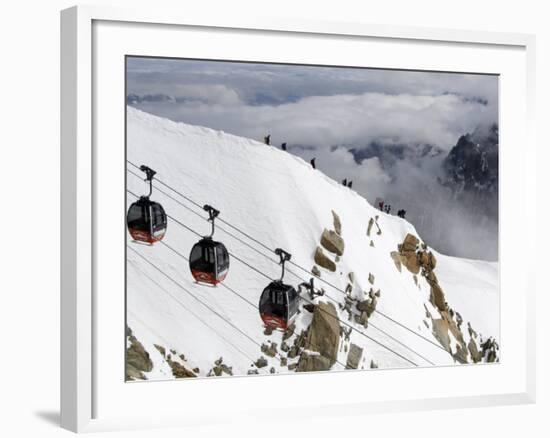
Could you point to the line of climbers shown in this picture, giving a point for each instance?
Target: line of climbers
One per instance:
(386, 208)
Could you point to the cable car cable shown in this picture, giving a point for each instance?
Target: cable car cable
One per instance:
(291, 262)
(309, 302)
(204, 304)
(195, 298)
(197, 317)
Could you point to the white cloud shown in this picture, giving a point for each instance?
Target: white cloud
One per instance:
(326, 121)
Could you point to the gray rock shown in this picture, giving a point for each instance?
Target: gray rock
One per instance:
(310, 362)
(410, 243)
(324, 332)
(269, 350)
(137, 358)
(261, 362)
(332, 242)
(322, 260)
(337, 223)
(354, 357)
(315, 271)
(289, 331)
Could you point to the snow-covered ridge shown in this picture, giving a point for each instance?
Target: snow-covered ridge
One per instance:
(279, 199)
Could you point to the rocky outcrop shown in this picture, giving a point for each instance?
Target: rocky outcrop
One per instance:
(489, 350)
(409, 244)
(315, 271)
(261, 362)
(440, 328)
(332, 242)
(416, 257)
(322, 260)
(367, 307)
(323, 335)
(269, 350)
(475, 354)
(407, 254)
(219, 369)
(396, 257)
(337, 223)
(437, 297)
(179, 371)
(354, 357)
(138, 360)
(313, 362)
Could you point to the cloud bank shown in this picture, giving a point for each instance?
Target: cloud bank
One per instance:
(336, 115)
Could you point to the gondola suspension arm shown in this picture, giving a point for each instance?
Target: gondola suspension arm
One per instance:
(149, 175)
(283, 257)
(212, 215)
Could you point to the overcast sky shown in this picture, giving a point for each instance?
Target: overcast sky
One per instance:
(310, 105)
(329, 113)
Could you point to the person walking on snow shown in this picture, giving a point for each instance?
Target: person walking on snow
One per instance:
(283, 146)
(312, 161)
(267, 139)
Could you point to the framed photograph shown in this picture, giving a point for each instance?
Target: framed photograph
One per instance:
(327, 218)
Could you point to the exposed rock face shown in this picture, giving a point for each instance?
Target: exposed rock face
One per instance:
(410, 260)
(179, 371)
(322, 260)
(315, 271)
(289, 331)
(332, 242)
(474, 352)
(367, 307)
(417, 258)
(324, 332)
(437, 297)
(354, 357)
(440, 329)
(261, 362)
(371, 278)
(313, 362)
(410, 243)
(269, 350)
(489, 350)
(472, 169)
(137, 360)
(407, 255)
(337, 223)
(396, 257)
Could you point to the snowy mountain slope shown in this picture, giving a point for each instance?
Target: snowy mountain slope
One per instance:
(282, 201)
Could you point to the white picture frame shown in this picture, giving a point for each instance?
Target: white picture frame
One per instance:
(89, 399)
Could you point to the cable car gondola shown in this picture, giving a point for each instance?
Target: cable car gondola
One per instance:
(209, 260)
(279, 302)
(146, 219)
